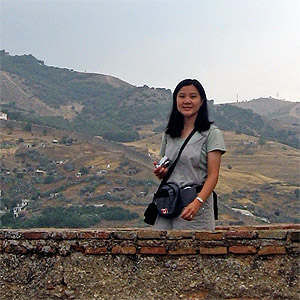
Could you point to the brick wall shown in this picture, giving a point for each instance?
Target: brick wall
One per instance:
(259, 262)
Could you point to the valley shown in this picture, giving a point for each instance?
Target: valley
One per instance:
(77, 150)
(257, 184)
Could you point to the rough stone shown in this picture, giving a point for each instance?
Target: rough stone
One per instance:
(129, 264)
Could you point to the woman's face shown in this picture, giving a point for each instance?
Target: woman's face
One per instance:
(188, 101)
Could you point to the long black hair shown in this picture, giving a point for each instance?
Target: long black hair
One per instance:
(176, 120)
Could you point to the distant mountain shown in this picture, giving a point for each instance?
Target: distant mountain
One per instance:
(284, 111)
(109, 107)
(232, 118)
(94, 103)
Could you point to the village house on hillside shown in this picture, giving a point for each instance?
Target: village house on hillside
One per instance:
(20, 207)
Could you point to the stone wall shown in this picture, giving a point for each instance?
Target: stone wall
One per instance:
(259, 262)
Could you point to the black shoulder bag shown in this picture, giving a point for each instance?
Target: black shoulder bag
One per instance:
(166, 200)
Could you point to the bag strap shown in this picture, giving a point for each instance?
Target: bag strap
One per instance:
(172, 167)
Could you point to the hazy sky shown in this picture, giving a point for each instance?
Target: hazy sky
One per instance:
(246, 47)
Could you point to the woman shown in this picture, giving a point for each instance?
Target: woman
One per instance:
(200, 160)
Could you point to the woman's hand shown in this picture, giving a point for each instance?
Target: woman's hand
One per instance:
(190, 211)
(160, 172)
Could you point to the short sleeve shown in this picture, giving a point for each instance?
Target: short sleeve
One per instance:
(163, 145)
(215, 141)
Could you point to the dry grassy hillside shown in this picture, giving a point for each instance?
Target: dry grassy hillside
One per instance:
(111, 179)
(250, 164)
(284, 111)
(13, 89)
(265, 176)
(260, 179)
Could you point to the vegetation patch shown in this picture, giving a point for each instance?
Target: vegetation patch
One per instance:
(70, 217)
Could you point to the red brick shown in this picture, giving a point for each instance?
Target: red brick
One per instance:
(270, 250)
(285, 226)
(153, 250)
(262, 227)
(241, 234)
(151, 234)
(243, 299)
(208, 236)
(36, 235)
(242, 249)
(183, 251)
(178, 234)
(222, 228)
(245, 228)
(213, 250)
(272, 234)
(95, 250)
(291, 226)
(123, 250)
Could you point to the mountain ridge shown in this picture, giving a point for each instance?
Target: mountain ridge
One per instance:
(107, 106)
(285, 111)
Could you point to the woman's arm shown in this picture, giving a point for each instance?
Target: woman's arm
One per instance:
(213, 168)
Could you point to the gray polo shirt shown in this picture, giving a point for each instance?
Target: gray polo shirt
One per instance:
(191, 168)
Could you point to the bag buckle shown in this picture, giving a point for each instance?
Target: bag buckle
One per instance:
(164, 211)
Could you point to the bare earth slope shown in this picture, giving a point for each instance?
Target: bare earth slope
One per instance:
(284, 111)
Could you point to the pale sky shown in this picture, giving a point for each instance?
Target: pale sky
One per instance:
(249, 48)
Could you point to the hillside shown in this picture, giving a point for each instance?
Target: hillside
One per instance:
(66, 174)
(62, 98)
(249, 180)
(284, 111)
(75, 172)
(105, 106)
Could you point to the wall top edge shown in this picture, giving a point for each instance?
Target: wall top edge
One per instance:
(100, 229)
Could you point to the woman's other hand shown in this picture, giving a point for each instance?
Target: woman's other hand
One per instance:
(160, 172)
(190, 211)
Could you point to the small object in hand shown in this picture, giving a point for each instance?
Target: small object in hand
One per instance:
(164, 162)
(191, 217)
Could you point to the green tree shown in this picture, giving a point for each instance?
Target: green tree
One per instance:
(262, 140)
(27, 127)
(49, 179)
(84, 170)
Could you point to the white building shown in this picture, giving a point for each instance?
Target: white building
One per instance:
(20, 207)
(25, 202)
(39, 172)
